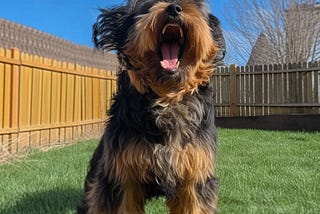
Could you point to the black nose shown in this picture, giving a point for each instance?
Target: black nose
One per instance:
(174, 10)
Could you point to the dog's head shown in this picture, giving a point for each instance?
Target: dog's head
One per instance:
(167, 46)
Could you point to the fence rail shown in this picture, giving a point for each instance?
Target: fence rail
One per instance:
(267, 90)
(45, 101)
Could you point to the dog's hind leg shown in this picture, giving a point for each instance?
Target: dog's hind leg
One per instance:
(103, 190)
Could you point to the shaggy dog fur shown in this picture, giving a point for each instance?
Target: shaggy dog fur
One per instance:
(160, 139)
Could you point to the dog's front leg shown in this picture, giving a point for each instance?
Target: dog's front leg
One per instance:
(194, 198)
(111, 195)
(133, 199)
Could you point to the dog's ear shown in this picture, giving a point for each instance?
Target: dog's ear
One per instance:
(217, 34)
(111, 29)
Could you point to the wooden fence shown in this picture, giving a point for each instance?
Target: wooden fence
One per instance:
(45, 102)
(267, 90)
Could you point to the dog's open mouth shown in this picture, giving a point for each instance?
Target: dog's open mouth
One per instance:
(171, 47)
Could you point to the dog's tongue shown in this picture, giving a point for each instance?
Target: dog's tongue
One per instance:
(170, 54)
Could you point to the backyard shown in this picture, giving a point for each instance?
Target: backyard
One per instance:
(259, 171)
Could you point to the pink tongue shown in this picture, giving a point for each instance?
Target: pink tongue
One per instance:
(170, 54)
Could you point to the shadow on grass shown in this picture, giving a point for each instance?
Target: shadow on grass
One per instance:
(49, 202)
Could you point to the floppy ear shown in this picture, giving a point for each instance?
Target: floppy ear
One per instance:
(111, 29)
(217, 34)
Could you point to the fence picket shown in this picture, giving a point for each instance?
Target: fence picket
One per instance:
(2, 99)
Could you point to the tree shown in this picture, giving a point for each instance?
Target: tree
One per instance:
(275, 31)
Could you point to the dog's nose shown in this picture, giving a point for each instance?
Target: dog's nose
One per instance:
(174, 10)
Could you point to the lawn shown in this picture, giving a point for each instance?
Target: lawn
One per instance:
(260, 172)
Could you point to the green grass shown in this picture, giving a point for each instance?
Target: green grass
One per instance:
(45, 182)
(269, 172)
(260, 172)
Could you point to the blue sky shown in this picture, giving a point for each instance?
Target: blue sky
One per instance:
(69, 19)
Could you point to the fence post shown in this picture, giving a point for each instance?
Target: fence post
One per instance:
(233, 91)
(14, 120)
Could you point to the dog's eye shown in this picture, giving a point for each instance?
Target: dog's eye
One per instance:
(144, 6)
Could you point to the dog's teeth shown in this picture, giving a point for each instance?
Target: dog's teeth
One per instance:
(172, 25)
(164, 29)
(181, 32)
(177, 65)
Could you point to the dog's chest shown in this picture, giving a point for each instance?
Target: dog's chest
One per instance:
(168, 165)
(179, 123)
(184, 150)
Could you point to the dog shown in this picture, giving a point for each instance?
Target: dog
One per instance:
(160, 137)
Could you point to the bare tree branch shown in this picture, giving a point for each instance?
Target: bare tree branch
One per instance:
(276, 31)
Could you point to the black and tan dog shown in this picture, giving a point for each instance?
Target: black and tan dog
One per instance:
(160, 139)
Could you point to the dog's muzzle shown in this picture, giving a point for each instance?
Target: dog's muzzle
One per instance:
(172, 40)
